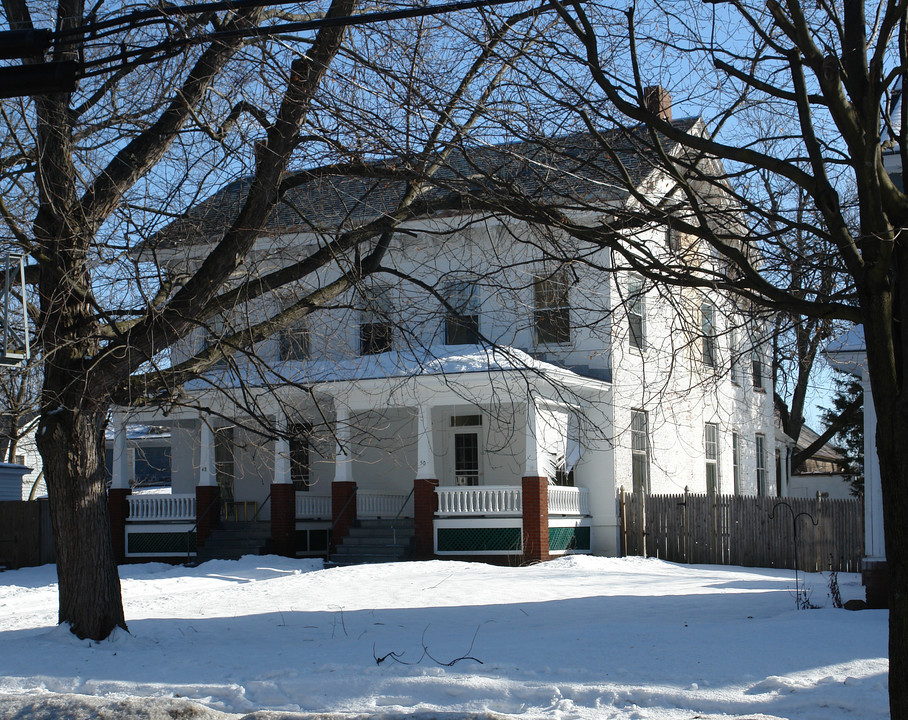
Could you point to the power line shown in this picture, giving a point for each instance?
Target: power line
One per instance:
(37, 78)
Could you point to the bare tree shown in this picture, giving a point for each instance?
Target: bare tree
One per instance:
(779, 179)
(91, 177)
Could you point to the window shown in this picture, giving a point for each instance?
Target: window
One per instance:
(735, 359)
(375, 322)
(20, 459)
(761, 465)
(640, 451)
(552, 317)
(757, 363)
(462, 315)
(294, 342)
(299, 456)
(708, 329)
(736, 462)
(636, 314)
(711, 442)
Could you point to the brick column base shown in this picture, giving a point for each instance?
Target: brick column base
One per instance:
(118, 508)
(425, 505)
(207, 511)
(875, 579)
(283, 519)
(343, 510)
(535, 519)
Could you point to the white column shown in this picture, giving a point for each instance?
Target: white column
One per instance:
(425, 455)
(207, 470)
(874, 542)
(343, 463)
(281, 453)
(121, 457)
(531, 468)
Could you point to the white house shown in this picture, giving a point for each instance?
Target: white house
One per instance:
(492, 387)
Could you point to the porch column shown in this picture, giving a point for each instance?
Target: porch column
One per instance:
(343, 488)
(117, 502)
(425, 501)
(207, 493)
(874, 569)
(535, 497)
(283, 497)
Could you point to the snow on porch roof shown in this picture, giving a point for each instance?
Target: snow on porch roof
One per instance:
(412, 362)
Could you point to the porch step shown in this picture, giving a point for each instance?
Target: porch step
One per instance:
(375, 541)
(232, 540)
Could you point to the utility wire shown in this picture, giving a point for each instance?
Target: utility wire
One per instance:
(170, 48)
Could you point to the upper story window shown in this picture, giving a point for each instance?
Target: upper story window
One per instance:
(735, 359)
(552, 309)
(636, 313)
(462, 313)
(708, 331)
(293, 342)
(757, 364)
(375, 327)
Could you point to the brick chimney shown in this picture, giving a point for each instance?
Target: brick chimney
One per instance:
(658, 101)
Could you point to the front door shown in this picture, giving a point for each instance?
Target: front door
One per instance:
(466, 458)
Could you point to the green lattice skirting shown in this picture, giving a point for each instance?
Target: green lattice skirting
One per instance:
(479, 539)
(166, 543)
(569, 538)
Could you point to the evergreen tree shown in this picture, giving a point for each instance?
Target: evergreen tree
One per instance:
(850, 437)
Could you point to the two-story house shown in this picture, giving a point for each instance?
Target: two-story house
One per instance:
(496, 383)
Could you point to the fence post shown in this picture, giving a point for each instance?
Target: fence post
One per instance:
(622, 518)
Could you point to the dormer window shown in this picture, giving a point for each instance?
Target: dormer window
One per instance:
(552, 314)
(462, 313)
(375, 329)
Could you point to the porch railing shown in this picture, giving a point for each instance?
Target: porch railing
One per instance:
(370, 505)
(568, 500)
(490, 500)
(313, 507)
(161, 508)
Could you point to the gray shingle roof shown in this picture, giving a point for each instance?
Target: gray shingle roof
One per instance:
(574, 170)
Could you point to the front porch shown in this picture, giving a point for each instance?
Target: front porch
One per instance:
(530, 522)
(478, 461)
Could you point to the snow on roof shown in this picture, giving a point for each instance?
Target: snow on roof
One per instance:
(851, 342)
(412, 362)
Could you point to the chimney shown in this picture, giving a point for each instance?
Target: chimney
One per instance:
(658, 101)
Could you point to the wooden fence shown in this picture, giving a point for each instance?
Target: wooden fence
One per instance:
(26, 537)
(742, 530)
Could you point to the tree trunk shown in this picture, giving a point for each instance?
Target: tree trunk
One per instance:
(71, 442)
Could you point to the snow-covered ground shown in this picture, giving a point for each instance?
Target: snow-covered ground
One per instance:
(579, 637)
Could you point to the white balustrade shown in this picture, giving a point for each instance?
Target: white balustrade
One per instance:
(161, 508)
(370, 505)
(310, 507)
(568, 500)
(490, 500)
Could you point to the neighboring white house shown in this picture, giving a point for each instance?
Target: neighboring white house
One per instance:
(590, 379)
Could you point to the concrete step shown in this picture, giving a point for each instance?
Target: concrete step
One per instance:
(382, 523)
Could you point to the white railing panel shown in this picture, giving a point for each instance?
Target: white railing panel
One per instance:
(487, 500)
(161, 508)
(313, 506)
(568, 500)
(369, 505)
